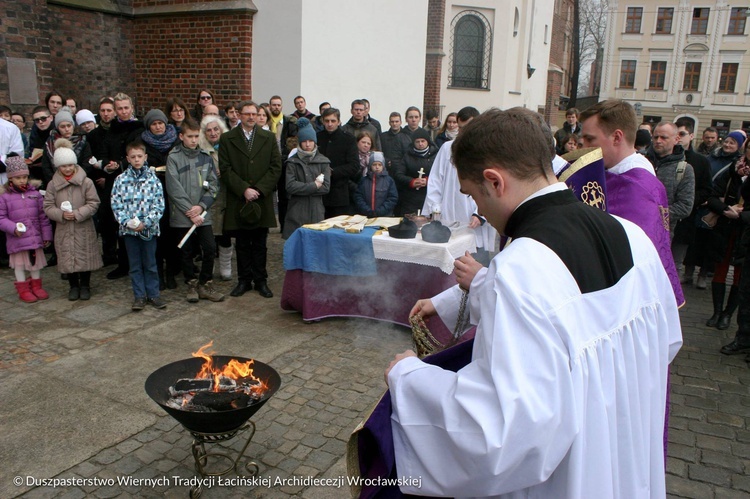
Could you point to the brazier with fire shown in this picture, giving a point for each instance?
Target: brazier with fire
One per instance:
(214, 397)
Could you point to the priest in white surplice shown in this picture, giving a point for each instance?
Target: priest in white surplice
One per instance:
(576, 324)
(443, 190)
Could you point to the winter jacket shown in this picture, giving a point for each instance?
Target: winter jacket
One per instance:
(305, 199)
(376, 195)
(394, 145)
(75, 240)
(720, 162)
(341, 149)
(138, 193)
(680, 191)
(191, 181)
(563, 132)
(353, 128)
(27, 208)
(726, 193)
(411, 199)
(119, 135)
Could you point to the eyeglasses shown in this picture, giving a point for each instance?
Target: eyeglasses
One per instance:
(205, 97)
(177, 110)
(41, 119)
(683, 134)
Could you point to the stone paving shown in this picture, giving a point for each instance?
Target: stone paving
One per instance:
(97, 355)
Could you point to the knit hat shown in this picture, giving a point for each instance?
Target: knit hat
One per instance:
(84, 116)
(305, 131)
(64, 154)
(420, 133)
(16, 166)
(63, 117)
(738, 137)
(154, 115)
(376, 156)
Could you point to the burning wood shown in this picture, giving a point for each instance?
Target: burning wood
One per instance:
(231, 387)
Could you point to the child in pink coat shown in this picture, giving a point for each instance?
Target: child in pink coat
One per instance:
(27, 229)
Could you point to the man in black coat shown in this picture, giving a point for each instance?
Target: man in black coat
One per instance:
(341, 149)
(125, 128)
(685, 231)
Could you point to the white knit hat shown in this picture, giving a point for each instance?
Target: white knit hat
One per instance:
(64, 154)
(84, 116)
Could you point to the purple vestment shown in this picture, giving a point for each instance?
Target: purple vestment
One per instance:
(638, 196)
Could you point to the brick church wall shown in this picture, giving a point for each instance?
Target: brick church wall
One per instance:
(181, 54)
(434, 57)
(151, 49)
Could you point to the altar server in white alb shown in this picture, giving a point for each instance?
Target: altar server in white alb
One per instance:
(576, 325)
(443, 193)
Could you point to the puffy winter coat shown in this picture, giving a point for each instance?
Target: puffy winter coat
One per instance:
(27, 208)
(75, 240)
(382, 188)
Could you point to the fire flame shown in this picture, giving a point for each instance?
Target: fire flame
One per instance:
(234, 369)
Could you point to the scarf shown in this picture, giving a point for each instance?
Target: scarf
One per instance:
(273, 121)
(17, 188)
(307, 156)
(163, 142)
(364, 162)
(421, 152)
(78, 141)
(451, 135)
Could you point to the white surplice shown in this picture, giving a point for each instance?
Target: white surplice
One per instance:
(565, 394)
(444, 190)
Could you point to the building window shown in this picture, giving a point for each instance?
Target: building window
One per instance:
(700, 21)
(633, 21)
(737, 21)
(728, 78)
(656, 78)
(472, 51)
(664, 20)
(627, 74)
(692, 76)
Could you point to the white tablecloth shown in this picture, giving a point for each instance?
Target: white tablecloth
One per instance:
(417, 251)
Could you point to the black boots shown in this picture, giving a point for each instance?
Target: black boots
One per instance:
(726, 316)
(718, 289)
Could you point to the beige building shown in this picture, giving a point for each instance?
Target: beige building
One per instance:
(680, 58)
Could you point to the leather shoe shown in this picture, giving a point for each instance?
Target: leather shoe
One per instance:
(713, 321)
(264, 290)
(240, 289)
(735, 347)
(724, 322)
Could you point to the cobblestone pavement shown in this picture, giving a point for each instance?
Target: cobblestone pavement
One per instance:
(95, 356)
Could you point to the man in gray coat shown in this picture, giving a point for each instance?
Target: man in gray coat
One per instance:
(668, 158)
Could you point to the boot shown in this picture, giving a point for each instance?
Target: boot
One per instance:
(725, 319)
(85, 286)
(740, 344)
(192, 291)
(24, 292)
(207, 292)
(718, 289)
(36, 288)
(225, 263)
(74, 293)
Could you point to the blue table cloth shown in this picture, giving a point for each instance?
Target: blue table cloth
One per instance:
(331, 251)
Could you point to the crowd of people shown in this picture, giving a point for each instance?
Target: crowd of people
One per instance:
(221, 175)
(158, 194)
